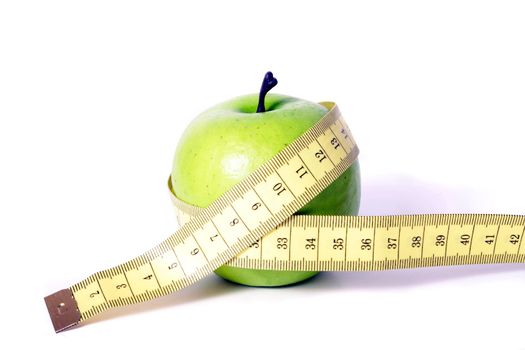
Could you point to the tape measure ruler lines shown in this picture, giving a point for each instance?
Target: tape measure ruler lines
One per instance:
(231, 231)
(365, 243)
(208, 241)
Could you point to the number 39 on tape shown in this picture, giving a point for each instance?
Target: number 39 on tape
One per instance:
(253, 226)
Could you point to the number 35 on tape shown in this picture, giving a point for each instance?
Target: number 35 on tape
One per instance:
(253, 226)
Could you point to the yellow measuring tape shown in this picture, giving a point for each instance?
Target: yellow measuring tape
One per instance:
(253, 226)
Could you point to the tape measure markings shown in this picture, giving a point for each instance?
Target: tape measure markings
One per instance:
(252, 226)
(192, 250)
(452, 237)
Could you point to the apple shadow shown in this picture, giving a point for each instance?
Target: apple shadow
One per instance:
(394, 195)
(401, 194)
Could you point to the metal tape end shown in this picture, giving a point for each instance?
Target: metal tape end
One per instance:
(63, 310)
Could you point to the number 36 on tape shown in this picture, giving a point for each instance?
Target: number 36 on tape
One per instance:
(253, 226)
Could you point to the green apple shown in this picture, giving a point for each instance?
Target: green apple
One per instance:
(227, 142)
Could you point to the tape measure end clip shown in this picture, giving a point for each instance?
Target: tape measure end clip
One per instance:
(63, 310)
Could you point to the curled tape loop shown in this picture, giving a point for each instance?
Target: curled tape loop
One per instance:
(205, 242)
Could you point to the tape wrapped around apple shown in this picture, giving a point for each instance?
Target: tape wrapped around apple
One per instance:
(227, 142)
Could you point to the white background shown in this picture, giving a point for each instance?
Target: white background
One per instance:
(94, 96)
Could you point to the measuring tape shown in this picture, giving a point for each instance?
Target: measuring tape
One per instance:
(253, 226)
(366, 243)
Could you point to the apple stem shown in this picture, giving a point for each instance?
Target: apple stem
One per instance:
(268, 83)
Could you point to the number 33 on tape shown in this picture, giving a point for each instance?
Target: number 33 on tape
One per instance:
(253, 226)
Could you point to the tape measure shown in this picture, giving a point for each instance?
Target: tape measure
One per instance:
(366, 243)
(253, 226)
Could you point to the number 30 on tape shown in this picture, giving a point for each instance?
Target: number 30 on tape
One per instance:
(262, 207)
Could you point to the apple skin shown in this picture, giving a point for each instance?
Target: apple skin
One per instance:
(227, 142)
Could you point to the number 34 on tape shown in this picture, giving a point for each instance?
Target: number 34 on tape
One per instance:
(253, 226)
